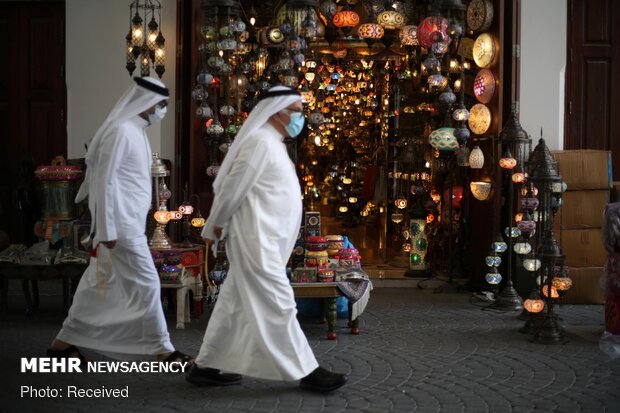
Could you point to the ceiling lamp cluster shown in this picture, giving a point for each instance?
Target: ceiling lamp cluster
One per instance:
(145, 41)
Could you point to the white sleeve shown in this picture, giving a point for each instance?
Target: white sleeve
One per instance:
(244, 173)
(109, 159)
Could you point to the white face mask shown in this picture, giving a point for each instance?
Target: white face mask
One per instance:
(158, 115)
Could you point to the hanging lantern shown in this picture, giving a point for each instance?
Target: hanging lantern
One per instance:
(518, 176)
(554, 291)
(561, 284)
(370, 32)
(484, 50)
(476, 158)
(437, 83)
(401, 203)
(431, 30)
(480, 190)
(507, 161)
(345, 20)
(522, 248)
(526, 225)
(484, 86)
(531, 263)
(443, 139)
(499, 244)
(493, 260)
(408, 35)
(460, 114)
(534, 304)
(391, 19)
(397, 217)
(479, 119)
(493, 277)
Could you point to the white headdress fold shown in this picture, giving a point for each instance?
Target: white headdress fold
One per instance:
(140, 96)
(261, 113)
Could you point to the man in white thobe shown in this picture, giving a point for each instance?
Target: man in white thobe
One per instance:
(116, 309)
(253, 329)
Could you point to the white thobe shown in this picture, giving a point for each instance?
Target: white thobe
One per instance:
(253, 329)
(116, 307)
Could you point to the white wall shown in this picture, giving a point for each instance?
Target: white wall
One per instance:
(543, 64)
(96, 75)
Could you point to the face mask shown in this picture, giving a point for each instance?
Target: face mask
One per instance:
(158, 115)
(296, 124)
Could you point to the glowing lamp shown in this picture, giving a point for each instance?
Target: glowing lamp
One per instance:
(512, 232)
(493, 277)
(443, 139)
(162, 217)
(526, 225)
(345, 20)
(534, 304)
(397, 217)
(493, 260)
(391, 19)
(554, 291)
(370, 31)
(561, 283)
(480, 190)
(476, 158)
(484, 86)
(431, 30)
(531, 264)
(437, 83)
(401, 203)
(519, 177)
(507, 161)
(500, 246)
(479, 119)
(484, 50)
(198, 222)
(460, 114)
(522, 248)
(408, 35)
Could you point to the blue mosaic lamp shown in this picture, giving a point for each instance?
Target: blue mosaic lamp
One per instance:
(443, 139)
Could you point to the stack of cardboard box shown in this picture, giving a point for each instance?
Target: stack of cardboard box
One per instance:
(588, 175)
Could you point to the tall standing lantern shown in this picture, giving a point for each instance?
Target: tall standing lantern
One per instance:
(544, 175)
(515, 141)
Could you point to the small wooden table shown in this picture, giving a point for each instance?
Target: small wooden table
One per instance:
(69, 273)
(328, 292)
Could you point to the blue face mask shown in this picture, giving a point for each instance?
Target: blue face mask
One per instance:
(296, 124)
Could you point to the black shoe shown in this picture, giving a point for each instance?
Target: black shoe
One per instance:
(211, 377)
(322, 380)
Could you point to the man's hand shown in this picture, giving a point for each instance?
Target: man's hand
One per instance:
(109, 244)
(218, 232)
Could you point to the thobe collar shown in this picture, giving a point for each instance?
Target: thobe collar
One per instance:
(271, 129)
(139, 122)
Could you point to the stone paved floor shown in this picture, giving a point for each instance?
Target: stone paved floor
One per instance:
(418, 352)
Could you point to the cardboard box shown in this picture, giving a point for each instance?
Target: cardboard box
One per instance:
(582, 209)
(586, 288)
(585, 168)
(582, 247)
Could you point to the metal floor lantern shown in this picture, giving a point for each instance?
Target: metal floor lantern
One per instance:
(544, 175)
(515, 146)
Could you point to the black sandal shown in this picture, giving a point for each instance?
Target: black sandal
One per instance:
(69, 352)
(178, 357)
